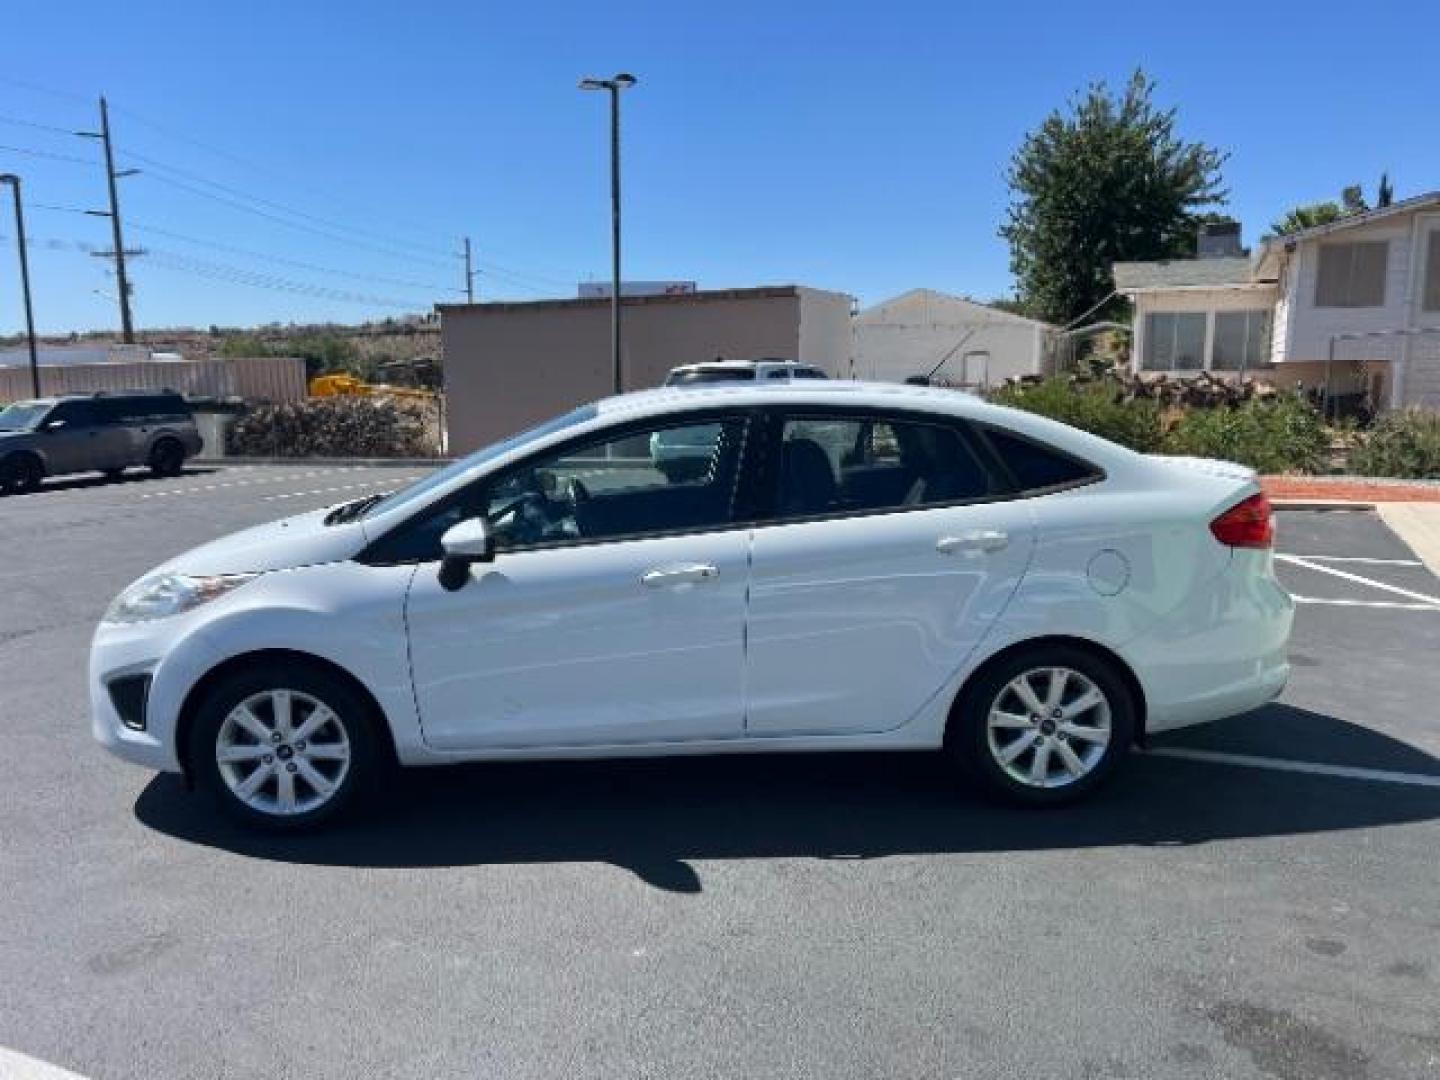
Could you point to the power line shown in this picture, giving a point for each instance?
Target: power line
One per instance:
(241, 276)
(17, 121)
(297, 263)
(47, 154)
(329, 223)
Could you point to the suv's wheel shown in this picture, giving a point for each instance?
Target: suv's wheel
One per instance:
(20, 473)
(1046, 726)
(283, 746)
(167, 458)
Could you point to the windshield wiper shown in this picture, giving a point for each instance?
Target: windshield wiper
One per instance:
(351, 510)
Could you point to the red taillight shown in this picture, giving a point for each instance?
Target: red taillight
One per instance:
(1247, 524)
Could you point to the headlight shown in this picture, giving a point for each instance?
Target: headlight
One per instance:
(170, 594)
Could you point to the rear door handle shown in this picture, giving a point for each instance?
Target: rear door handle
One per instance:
(680, 574)
(975, 540)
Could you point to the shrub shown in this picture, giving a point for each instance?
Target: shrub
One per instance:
(335, 427)
(1279, 434)
(1096, 406)
(1404, 443)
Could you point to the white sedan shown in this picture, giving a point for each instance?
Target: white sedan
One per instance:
(856, 567)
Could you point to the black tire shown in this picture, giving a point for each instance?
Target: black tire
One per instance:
(20, 474)
(167, 458)
(971, 745)
(351, 711)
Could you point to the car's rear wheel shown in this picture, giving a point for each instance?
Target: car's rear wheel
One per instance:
(1044, 726)
(167, 458)
(284, 747)
(20, 473)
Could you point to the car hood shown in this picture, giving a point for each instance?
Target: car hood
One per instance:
(4, 434)
(303, 540)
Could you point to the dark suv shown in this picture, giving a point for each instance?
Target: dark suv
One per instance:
(102, 432)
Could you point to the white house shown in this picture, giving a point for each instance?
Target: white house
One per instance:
(1353, 306)
(970, 344)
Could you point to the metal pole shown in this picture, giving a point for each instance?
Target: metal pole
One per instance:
(127, 328)
(14, 182)
(469, 275)
(615, 234)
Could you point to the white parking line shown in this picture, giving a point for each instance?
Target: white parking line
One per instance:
(391, 480)
(1345, 772)
(1358, 559)
(281, 478)
(1409, 594)
(17, 1066)
(1394, 605)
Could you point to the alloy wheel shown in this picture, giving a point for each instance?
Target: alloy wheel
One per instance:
(1049, 727)
(283, 752)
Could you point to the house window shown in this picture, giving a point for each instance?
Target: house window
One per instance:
(1174, 341)
(1242, 340)
(1352, 275)
(1432, 272)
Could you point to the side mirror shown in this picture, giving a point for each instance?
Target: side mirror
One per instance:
(464, 543)
(52, 425)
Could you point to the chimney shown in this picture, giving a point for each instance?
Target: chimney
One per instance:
(1219, 240)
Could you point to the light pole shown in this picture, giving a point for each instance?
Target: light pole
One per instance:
(622, 81)
(14, 182)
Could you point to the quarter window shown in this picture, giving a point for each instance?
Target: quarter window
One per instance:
(863, 465)
(1352, 275)
(1035, 466)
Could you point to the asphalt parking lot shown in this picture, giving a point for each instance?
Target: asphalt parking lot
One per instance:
(1257, 898)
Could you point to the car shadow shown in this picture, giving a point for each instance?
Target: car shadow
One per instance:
(97, 480)
(652, 816)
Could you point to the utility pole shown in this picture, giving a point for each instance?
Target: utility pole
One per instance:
(469, 275)
(127, 325)
(622, 81)
(14, 182)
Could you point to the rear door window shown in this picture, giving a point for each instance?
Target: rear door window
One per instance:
(841, 464)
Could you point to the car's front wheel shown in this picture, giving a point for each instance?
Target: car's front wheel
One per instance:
(284, 747)
(1044, 726)
(20, 473)
(167, 458)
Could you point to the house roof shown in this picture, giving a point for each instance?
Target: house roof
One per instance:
(1182, 273)
(1369, 217)
(964, 307)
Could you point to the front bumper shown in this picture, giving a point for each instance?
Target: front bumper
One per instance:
(174, 658)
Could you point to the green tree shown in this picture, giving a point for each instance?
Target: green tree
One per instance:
(1107, 179)
(1352, 201)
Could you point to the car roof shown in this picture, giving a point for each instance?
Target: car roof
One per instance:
(742, 365)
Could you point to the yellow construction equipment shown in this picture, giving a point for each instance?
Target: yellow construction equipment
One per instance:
(342, 385)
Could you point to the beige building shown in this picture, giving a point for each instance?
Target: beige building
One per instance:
(511, 365)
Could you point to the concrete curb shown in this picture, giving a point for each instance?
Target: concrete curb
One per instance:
(369, 463)
(1320, 504)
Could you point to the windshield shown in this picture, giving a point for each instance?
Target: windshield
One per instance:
(417, 491)
(24, 415)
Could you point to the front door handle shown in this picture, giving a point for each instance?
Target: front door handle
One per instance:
(975, 540)
(680, 574)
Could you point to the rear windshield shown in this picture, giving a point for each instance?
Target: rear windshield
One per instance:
(23, 415)
(709, 375)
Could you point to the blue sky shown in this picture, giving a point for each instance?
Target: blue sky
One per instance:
(846, 146)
